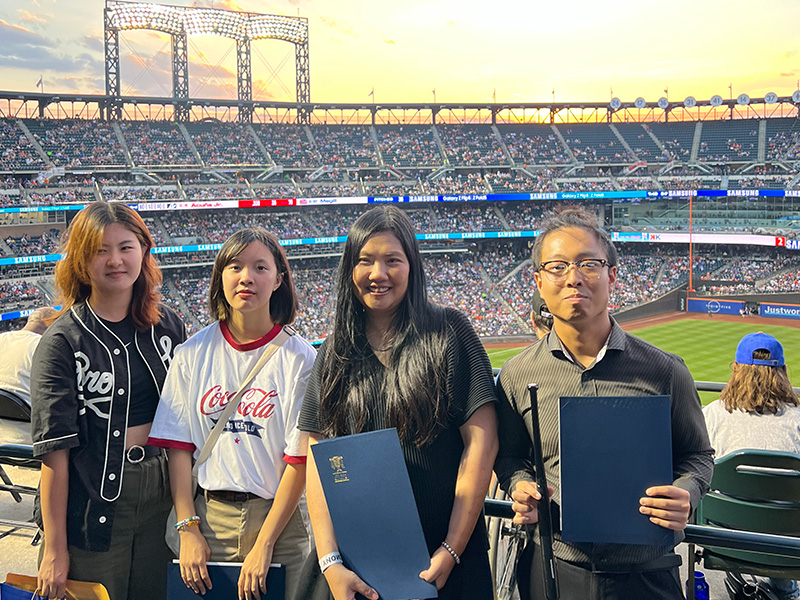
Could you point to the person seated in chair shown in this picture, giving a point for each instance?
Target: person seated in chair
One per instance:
(757, 409)
(17, 348)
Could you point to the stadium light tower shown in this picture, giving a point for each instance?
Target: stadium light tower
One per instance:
(181, 22)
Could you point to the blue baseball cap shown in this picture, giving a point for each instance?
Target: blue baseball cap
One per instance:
(759, 341)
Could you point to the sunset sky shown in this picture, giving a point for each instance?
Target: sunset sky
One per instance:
(523, 49)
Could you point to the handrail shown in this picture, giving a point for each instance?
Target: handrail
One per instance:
(701, 535)
(700, 386)
(715, 386)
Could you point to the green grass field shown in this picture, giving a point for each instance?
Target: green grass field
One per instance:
(707, 347)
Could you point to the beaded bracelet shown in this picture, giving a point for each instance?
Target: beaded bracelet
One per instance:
(186, 523)
(452, 552)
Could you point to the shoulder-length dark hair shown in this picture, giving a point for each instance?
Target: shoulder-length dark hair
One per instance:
(414, 382)
(282, 303)
(758, 388)
(81, 243)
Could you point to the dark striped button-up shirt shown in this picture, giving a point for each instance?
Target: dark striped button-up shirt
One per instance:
(627, 366)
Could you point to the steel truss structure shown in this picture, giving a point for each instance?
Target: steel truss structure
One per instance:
(180, 22)
(139, 108)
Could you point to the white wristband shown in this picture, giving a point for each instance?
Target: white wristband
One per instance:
(334, 558)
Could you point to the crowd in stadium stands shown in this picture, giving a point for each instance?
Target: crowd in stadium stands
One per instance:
(217, 192)
(479, 282)
(274, 190)
(225, 144)
(288, 145)
(329, 191)
(85, 143)
(67, 196)
(141, 193)
(393, 188)
(785, 282)
(459, 183)
(315, 314)
(456, 281)
(217, 226)
(156, 143)
(516, 181)
(29, 245)
(345, 146)
(529, 148)
(493, 286)
(747, 269)
(636, 281)
(471, 146)
(584, 185)
(336, 220)
(16, 150)
(781, 144)
(77, 143)
(19, 295)
(409, 146)
(637, 183)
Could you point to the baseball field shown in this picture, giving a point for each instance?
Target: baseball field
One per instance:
(707, 345)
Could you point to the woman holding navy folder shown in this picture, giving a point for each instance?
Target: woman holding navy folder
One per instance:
(396, 360)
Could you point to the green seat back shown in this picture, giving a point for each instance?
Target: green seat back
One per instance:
(758, 491)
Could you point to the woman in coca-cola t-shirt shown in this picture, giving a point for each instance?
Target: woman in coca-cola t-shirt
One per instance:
(249, 488)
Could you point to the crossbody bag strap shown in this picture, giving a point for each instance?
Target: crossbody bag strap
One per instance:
(285, 333)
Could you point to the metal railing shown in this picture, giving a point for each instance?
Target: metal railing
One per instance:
(700, 535)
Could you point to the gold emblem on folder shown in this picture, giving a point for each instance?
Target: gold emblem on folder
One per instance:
(339, 472)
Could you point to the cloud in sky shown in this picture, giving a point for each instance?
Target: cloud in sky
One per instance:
(29, 17)
(521, 48)
(339, 26)
(26, 50)
(17, 35)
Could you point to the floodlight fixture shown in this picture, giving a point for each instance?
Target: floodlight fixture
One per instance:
(181, 22)
(178, 20)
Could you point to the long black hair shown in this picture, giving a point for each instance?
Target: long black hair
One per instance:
(414, 383)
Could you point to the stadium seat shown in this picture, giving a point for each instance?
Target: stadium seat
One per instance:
(13, 407)
(757, 491)
(19, 456)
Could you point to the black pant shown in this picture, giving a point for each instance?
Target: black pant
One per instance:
(578, 583)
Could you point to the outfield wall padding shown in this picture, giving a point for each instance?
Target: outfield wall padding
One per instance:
(669, 302)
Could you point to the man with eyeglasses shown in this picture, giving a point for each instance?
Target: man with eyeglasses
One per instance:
(588, 354)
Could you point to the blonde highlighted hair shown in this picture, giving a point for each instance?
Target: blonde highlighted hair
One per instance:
(81, 243)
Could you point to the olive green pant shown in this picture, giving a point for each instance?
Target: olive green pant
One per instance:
(135, 565)
(231, 529)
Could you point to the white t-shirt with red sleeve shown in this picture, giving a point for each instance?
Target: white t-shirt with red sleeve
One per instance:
(262, 435)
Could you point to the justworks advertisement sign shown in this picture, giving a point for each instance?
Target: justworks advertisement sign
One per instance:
(779, 311)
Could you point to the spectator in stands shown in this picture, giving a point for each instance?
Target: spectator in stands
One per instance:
(396, 360)
(541, 317)
(588, 352)
(255, 475)
(94, 389)
(17, 348)
(757, 409)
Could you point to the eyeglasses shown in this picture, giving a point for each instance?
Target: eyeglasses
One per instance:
(590, 268)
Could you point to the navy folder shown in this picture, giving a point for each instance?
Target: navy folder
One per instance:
(612, 450)
(374, 514)
(225, 579)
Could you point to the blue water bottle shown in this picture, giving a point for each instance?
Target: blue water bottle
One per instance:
(700, 586)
